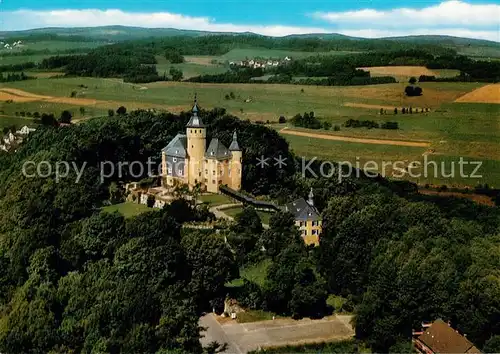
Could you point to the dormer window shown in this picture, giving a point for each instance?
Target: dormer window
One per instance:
(212, 153)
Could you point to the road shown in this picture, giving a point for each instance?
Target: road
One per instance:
(244, 337)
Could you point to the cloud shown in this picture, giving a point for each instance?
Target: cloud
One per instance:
(455, 32)
(454, 18)
(446, 14)
(27, 19)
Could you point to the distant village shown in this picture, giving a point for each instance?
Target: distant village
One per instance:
(11, 141)
(10, 46)
(261, 63)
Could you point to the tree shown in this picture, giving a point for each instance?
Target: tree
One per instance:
(291, 286)
(65, 117)
(492, 345)
(111, 113)
(245, 234)
(413, 91)
(211, 264)
(48, 120)
(82, 111)
(174, 56)
(121, 111)
(413, 80)
(282, 120)
(176, 74)
(327, 125)
(282, 233)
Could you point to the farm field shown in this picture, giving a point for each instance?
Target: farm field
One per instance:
(451, 129)
(405, 72)
(485, 94)
(267, 102)
(194, 66)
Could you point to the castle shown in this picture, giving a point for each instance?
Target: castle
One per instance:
(187, 160)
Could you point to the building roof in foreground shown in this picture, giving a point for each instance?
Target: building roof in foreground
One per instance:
(441, 338)
(217, 150)
(302, 210)
(177, 146)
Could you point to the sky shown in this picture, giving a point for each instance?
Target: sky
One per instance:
(361, 18)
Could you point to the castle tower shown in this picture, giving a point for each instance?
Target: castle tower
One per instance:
(196, 144)
(236, 163)
(310, 201)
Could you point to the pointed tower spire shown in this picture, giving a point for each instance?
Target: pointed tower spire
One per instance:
(195, 106)
(234, 144)
(310, 201)
(195, 121)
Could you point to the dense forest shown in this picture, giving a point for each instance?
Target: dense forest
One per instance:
(75, 279)
(134, 61)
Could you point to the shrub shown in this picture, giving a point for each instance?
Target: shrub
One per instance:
(121, 111)
(282, 120)
(411, 91)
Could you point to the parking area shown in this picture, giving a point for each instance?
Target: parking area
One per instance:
(244, 337)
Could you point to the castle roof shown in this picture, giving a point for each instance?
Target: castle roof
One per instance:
(234, 144)
(177, 146)
(217, 150)
(195, 121)
(302, 210)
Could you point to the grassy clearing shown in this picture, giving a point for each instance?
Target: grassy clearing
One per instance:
(256, 273)
(215, 199)
(345, 346)
(255, 316)
(18, 122)
(127, 209)
(10, 109)
(264, 216)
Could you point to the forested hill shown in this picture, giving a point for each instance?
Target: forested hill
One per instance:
(75, 279)
(329, 41)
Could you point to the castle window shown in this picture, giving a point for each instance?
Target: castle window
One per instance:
(213, 172)
(174, 159)
(314, 232)
(206, 172)
(180, 172)
(169, 170)
(213, 181)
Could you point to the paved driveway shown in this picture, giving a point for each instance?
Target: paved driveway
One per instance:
(245, 337)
